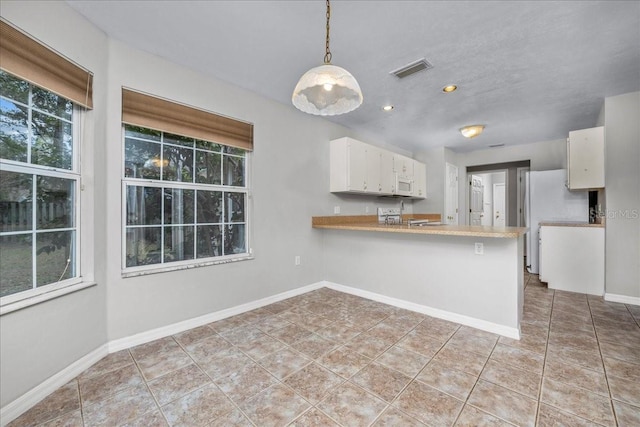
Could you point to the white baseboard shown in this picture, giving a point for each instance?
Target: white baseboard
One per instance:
(165, 331)
(14, 409)
(429, 311)
(624, 299)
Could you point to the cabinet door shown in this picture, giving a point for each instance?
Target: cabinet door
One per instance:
(387, 178)
(419, 180)
(372, 180)
(403, 165)
(356, 166)
(585, 158)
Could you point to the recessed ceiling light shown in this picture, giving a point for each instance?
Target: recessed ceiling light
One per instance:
(449, 89)
(471, 131)
(387, 107)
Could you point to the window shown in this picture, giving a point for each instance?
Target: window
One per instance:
(185, 201)
(39, 183)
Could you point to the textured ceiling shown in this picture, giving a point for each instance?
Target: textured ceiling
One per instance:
(529, 70)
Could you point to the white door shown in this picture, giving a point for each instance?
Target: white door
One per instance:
(451, 194)
(499, 204)
(476, 202)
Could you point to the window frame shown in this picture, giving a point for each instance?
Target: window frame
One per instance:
(36, 294)
(162, 267)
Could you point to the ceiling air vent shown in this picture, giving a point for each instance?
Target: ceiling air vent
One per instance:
(412, 68)
(496, 145)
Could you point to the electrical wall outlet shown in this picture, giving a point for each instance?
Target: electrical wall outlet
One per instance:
(479, 247)
(297, 260)
(366, 209)
(336, 210)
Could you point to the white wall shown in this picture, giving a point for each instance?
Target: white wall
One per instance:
(39, 341)
(290, 184)
(287, 189)
(434, 161)
(622, 180)
(546, 155)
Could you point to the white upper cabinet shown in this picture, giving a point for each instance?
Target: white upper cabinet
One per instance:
(387, 178)
(419, 180)
(403, 165)
(585, 158)
(356, 167)
(348, 165)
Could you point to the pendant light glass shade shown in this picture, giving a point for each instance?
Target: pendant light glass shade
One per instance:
(327, 90)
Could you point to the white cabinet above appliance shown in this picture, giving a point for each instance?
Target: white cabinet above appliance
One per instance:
(403, 165)
(360, 168)
(585, 159)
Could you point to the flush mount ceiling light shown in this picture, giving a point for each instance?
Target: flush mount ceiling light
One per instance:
(388, 107)
(449, 88)
(327, 90)
(471, 131)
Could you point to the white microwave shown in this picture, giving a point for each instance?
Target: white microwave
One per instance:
(404, 185)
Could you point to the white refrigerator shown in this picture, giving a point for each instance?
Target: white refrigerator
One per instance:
(548, 199)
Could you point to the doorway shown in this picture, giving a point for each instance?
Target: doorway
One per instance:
(514, 207)
(488, 203)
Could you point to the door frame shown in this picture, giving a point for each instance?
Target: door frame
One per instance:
(522, 193)
(506, 192)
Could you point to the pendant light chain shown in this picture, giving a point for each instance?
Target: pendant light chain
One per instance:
(327, 55)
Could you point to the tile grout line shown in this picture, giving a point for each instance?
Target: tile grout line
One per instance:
(555, 307)
(233, 402)
(544, 360)
(146, 382)
(415, 377)
(564, 410)
(513, 366)
(80, 402)
(604, 368)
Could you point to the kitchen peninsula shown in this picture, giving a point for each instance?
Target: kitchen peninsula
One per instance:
(466, 274)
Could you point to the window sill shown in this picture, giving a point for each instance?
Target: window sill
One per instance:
(126, 274)
(15, 305)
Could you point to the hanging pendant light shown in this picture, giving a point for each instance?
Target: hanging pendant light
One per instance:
(327, 90)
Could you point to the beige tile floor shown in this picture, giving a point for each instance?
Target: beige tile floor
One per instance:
(330, 359)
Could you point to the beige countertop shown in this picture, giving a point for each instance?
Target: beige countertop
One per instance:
(569, 224)
(370, 223)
